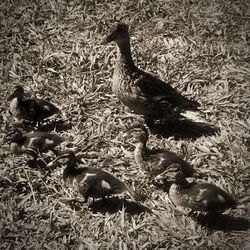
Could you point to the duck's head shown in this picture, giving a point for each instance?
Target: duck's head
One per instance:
(15, 136)
(68, 156)
(118, 33)
(18, 92)
(175, 174)
(139, 132)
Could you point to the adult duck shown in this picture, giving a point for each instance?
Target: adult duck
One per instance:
(140, 91)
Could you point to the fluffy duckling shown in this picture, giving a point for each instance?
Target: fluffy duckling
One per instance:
(34, 110)
(140, 91)
(91, 182)
(202, 197)
(156, 161)
(33, 143)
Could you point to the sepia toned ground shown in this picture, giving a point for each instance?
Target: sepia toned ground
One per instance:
(52, 48)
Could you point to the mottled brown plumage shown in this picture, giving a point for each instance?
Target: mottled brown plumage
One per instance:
(156, 161)
(202, 197)
(91, 182)
(34, 143)
(140, 91)
(34, 110)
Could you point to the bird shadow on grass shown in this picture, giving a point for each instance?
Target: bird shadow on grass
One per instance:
(221, 222)
(183, 129)
(114, 204)
(56, 126)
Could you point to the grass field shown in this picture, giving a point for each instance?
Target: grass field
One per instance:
(53, 49)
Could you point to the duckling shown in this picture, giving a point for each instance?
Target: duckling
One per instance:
(91, 182)
(34, 110)
(156, 162)
(201, 197)
(33, 143)
(140, 91)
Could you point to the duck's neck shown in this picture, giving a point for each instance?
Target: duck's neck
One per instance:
(175, 189)
(14, 104)
(140, 154)
(68, 170)
(185, 184)
(124, 52)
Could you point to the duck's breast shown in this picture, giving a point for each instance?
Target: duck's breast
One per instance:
(125, 88)
(14, 107)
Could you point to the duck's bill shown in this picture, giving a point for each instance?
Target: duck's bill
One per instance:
(61, 156)
(13, 95)
(107, 40)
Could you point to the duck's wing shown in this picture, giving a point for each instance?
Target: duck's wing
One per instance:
(29, 109)
(43, 141)
(102, 180)
(111, 183)
(196, 197)
(46, 108)
(156, 161)
(160, 91)
(214, 197)
(164, 160)
(32, 141)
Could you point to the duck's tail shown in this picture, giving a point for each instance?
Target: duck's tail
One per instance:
(194, 116)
